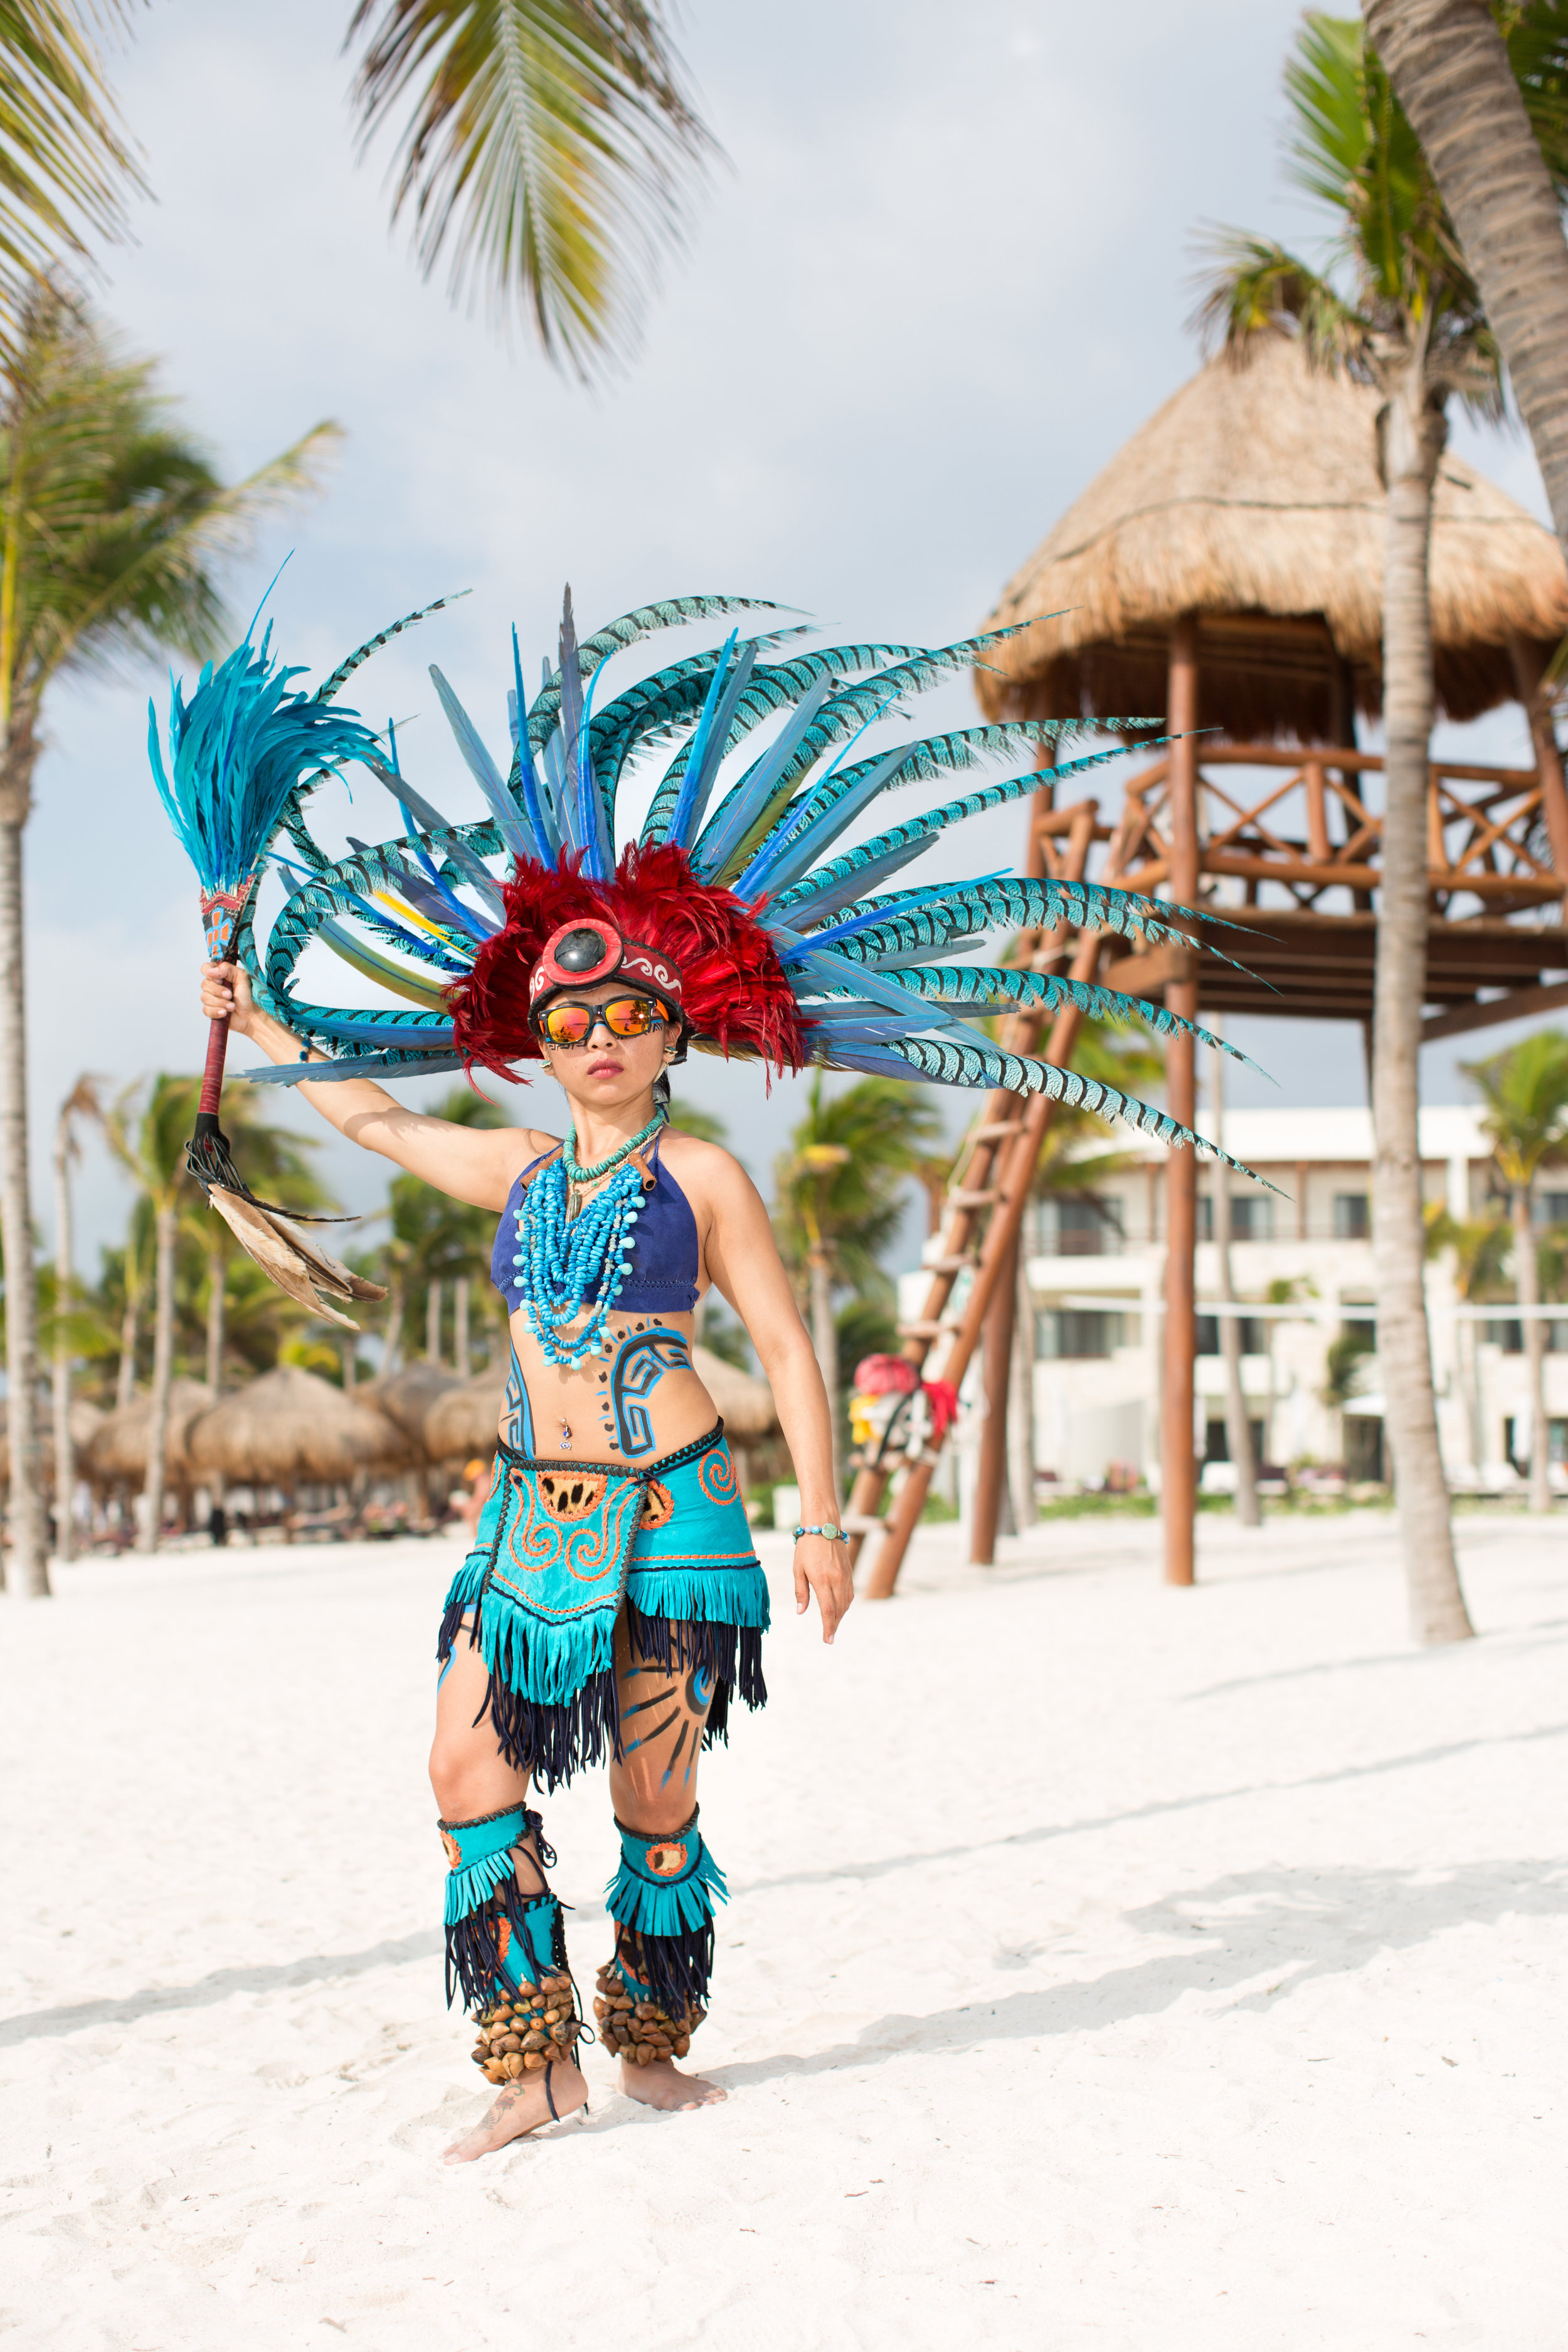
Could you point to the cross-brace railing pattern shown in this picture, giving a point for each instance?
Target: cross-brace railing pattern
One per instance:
(1312, 832)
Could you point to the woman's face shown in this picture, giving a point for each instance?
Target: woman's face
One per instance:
(607, 1072)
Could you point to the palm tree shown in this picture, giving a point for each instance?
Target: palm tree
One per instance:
(840, 1198)
(113, 523)
(1487, 91)
(1525, 1091)
(550, 149)
(1479, 1246)
(84, 1101)
(66, 162)
(148, 1138)
(433, 1239)
(1399, 308)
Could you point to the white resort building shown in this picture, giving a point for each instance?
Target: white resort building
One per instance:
(1302, 1274)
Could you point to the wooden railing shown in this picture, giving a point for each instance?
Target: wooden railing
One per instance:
(1312, 832)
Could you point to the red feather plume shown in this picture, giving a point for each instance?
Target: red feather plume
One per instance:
(734, 990)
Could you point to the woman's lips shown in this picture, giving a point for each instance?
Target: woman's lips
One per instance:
(605, 1068)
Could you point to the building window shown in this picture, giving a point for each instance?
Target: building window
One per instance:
(1251, 1217)
(1363, 1449)
(1509, 1335)
(1254, 1342)
(1216, 1441)
(1077, 1224)
(1076, 1331)
(1552, 1208)
(1353, 1220)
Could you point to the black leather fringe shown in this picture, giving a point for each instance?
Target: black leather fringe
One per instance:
(553, 1740)
(473, 1945)
(674, 1971)
(732, 1654)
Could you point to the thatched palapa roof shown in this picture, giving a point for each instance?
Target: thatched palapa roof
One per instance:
(119, 1447)
(1252, 497)
(407, 1399)
(85, 1421)
(464, 1422)
(290, 1426)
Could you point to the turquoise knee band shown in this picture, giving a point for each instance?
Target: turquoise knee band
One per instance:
(662, 1897)
(496, 1935)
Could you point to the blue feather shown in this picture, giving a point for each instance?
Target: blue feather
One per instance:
(544, 832)
(345, 669)
(357, 1066)
(236, 751)
(710, 744)
(515, 832)
(434, 822)
(949, 1065)
(903, 843)
(741, 808)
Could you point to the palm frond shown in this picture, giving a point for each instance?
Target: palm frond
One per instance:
(550, 152)
(65, 161)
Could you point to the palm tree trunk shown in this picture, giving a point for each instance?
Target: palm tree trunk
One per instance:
(1451, 74)
(460, 1364)
(391, 1344)
(125, 1376)
(1237, 1431)
(65, 1467)
(433, 1322)
(1527, 1282)
(1411, 442)
(163, 1375)
(29, 1565)
(217, 1316)
(825, 1341)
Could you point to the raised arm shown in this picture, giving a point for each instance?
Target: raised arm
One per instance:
(743, 1261)
(475, 1164)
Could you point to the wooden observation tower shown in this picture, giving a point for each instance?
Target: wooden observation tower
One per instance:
(1226, 570)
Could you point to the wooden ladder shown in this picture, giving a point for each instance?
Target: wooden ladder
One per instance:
(986, 1196)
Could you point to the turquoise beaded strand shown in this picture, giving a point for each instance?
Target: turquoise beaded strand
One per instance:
(560, 1256)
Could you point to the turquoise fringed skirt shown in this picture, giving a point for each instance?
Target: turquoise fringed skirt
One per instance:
(562, 1547)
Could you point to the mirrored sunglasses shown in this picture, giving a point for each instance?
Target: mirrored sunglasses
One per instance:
(570, 1022)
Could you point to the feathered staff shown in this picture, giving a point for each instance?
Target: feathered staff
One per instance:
(238, 752)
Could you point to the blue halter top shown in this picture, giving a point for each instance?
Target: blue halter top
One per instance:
(663, 1279)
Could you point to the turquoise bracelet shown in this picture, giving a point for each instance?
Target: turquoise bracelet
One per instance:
(833, 1535)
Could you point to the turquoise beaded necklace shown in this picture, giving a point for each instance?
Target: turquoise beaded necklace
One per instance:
(566, 1245)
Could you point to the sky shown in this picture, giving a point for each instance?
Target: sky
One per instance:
(941, 276)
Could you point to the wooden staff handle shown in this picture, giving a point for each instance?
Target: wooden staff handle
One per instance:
(212, 1076)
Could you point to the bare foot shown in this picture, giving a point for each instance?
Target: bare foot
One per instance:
(522, 2106)
(661, 2083)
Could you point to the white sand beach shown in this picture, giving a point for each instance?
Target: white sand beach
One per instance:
(1107, 1966)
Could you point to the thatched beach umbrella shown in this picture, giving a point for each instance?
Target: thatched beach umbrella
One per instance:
(85, 1421)
(407, 1399)
(1252, 499)
(465, 1420)
(116, 1451)
(289, 1427)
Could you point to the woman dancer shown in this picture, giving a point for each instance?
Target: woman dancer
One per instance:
(614, 1527)
(612, 1605)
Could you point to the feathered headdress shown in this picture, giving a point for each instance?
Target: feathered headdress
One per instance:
(792, 948)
